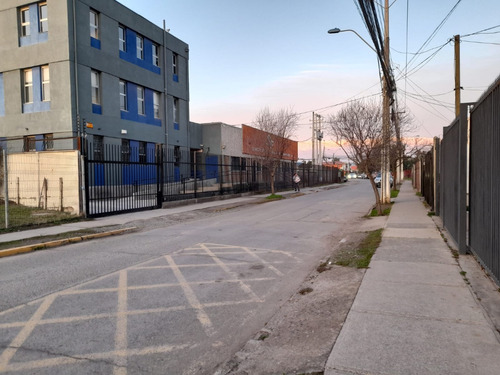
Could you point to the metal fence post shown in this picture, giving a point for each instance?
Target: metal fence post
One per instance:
(6, 188)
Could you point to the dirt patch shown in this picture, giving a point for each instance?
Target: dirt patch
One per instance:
(300, 336)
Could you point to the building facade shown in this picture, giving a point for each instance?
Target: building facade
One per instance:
(92, 68)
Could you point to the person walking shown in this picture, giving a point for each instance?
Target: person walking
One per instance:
(296, 181)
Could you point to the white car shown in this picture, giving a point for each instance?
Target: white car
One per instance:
(378, 179)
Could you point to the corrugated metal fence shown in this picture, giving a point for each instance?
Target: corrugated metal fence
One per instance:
(468, 186)
(484, 230)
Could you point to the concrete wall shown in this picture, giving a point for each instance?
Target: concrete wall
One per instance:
(26, 174)
(222, 139)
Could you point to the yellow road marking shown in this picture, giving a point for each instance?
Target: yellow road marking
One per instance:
(191, 297)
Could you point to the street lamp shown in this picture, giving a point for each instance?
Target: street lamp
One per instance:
(336, 30)
(385, 170)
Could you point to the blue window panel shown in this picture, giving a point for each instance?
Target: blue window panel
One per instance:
(37, 105)
(134, 151)
(2, 96)
(130, 54)
(97, 109)
(99, 178)
(151, 151)
(96, 43)
(212, 167)
(139, 174)
(132, 114)
(35, 36)
(39, 142)
(175, 77)
(176, 126)
(177, 174)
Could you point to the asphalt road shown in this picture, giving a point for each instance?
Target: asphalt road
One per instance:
(177, 299)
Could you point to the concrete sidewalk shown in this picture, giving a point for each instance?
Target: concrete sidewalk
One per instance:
(414, 313)
(120, 219)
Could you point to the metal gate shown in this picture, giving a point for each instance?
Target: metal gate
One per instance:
(121, 179)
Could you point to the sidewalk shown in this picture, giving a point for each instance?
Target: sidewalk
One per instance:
(414, 313)
(121, 219)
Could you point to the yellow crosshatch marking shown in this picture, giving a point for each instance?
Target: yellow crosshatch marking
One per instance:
(191, 282)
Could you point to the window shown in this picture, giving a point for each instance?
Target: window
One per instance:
(140, 47)
(94, 24)
(156, 104)
(25, 21)
(175, 59)
(48, 141)
(28, 86)
(140, 100)
(29, 143)
(95, 86)
(156, 59)
(176, 110)
(123, 96)
(43, 18)
(122, 41)
(45, 83)
(125, 150)
(98, 147)
(142, 152)
(235, 163)
(177, 155)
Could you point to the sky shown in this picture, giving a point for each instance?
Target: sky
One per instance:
(245, 55)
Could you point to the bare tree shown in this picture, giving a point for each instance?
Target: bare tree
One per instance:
(279, 126)
(357, 130)
(403, 124)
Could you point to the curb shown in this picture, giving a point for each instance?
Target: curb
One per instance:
(65, 241)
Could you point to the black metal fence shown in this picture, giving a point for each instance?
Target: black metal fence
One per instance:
(484, 203)
(123, 179)
(468, 199)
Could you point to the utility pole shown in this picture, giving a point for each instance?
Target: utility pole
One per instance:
(457, 75)
(313, 139)
(385, 170)
(317, 136)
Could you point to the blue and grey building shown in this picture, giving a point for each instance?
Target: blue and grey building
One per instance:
(92, 68)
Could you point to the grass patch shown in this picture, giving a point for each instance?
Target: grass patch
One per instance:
(385, 211)
(394, 193)
(274, 197)
(23, 217)
(431, 213)
(360, 256)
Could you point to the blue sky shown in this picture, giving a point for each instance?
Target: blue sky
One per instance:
(249, 54)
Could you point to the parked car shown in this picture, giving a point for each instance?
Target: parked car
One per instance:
(378, 179)
(362, 175)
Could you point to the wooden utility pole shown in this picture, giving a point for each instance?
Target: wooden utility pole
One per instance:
(457, 75)
(386, 119)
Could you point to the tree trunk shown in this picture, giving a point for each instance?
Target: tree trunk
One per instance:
(378, 203)
(272, 180)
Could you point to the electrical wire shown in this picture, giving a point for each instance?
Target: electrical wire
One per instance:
(433, 34)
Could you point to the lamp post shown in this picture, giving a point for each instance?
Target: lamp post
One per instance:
(336, 30)
(385, 168)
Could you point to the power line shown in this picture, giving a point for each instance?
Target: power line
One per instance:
(433, 34)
